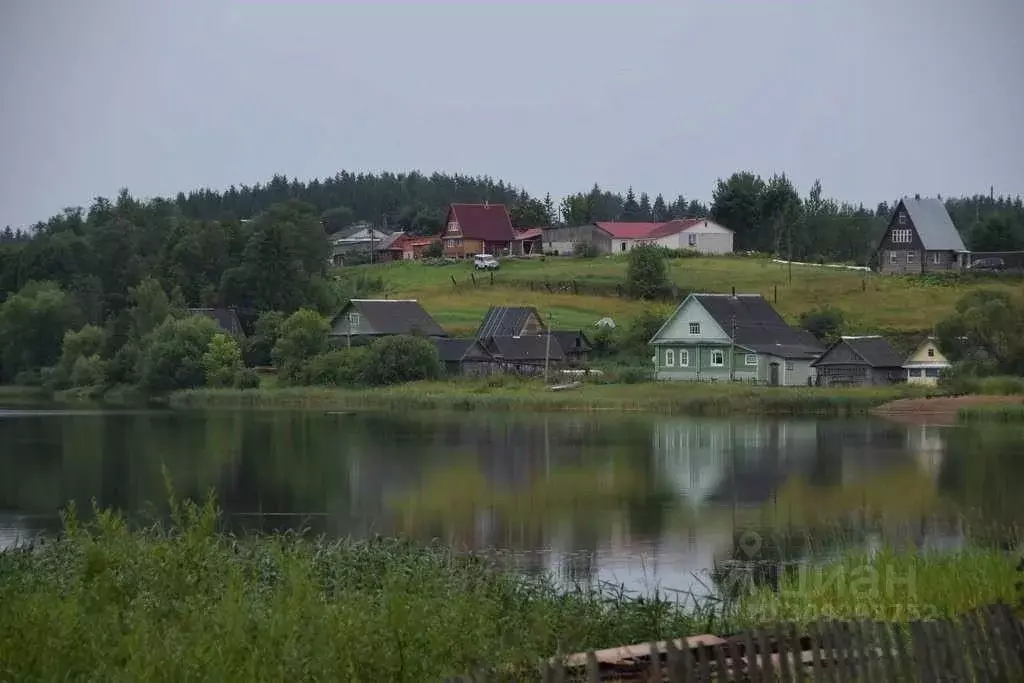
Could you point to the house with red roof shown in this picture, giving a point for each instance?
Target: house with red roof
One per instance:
(617, 237)
(478, 229)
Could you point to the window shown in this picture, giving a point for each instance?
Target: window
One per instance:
(931, 353)
(931, 372)
(684, 358)
(670, 358)
(353, 320)
(453, 227)
(902, 219)
(902, 236)
(936, 258)
(691, 240)
(717, 358)
(622, 246)
(694, 328)
(789, 366)
(910, 256)
(750, 359)
(892, 257)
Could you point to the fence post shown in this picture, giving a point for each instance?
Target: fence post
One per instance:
(455, 283)
(473, 278)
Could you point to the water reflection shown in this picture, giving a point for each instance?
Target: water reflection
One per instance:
(634, 500)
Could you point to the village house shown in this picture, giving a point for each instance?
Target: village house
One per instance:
(362, 321)
(527, 355)
(463, 356)
(478, 229)
(859, 361)
(524, 321)
(615, 237)
(226, 319)
(733, 337)
(527, 242)
(412, 248)
(921, 238)
(926, 363)
(363, 242)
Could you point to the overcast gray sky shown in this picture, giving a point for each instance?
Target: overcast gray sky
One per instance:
(878, 98)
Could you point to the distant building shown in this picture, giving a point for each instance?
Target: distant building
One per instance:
(921, 238)
(926, 363)
(723, 337)
(617, 237)
(477, 229)
(363, 320)
(859, 361)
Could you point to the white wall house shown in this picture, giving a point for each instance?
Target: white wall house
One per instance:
(702, 235)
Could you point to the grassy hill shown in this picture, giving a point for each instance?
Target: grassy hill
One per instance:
(870, 302)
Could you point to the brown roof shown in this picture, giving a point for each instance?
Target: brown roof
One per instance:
(628, 230)
(488, 222)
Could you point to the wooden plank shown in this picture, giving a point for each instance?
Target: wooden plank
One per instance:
(593, 668)
(990, 625)
(703, 664)
(957, 649)
(721, 667)
(689, 671)
(829, 651)
(765, 651)
(654, 663)
(817, 656)
(937, 650)
(739, 665)
(839, 651)
(630, 654)
(919, 639)
(750, 654)
(978, 652)
(871, 665)
(855, 651)
(1005, 622)
(674, 662)
(782, 639)
(886, 653)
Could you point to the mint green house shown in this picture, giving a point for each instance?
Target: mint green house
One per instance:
(727, 337)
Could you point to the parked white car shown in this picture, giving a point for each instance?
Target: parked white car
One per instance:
(485, 262)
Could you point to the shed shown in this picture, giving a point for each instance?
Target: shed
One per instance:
(859, 361)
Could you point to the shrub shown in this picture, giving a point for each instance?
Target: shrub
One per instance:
(303, 335)
(825, 323)
(646, 272)
(393, 360)
(584, 250)
(173, 353)
(222, 361)
(123, 368)
(87, 371)
(434, 250)
(246, 378)
(339, 367)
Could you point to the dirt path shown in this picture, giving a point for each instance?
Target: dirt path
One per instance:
(941, 410)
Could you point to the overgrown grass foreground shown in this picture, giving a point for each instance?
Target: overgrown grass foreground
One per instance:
(674, 398)
(188, 603)
(1008, 413)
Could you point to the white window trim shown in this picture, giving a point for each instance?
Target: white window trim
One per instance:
(670, 358)
(694, 328)
(750, 357)
(893, 257)
(354, 319)
(910, 257)
(936, 258)
(902, 219)
(684, 358)
(717, 353)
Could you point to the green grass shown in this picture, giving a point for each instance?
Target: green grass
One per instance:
(870, 302)
(184, 601)
(891, 586)
(189, 603)
(1011, 413)
(680, 398)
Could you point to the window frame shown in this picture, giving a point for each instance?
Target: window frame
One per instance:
(694, 327)
(684, 358)
(910, 256)
(748, 357)
(670, 358)
(720, 355)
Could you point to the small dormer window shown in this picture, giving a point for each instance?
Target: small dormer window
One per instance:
(694, 328)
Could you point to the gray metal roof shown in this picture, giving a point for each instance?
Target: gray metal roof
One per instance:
(875, 351)
(396, 316)
(505, 321)
(758, 326)
(933, 224)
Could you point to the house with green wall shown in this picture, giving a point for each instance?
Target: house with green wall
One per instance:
(733, 337)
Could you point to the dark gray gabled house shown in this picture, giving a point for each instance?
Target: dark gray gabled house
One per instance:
(525, 355)
(921, 238)
(526, 321)
(461, 356)
(859, 361)
(363, 320)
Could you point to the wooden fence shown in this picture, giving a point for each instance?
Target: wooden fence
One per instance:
(985, 645)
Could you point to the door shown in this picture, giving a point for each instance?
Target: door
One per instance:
(773, 374)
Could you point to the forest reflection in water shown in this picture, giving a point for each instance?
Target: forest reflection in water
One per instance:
(642, 501)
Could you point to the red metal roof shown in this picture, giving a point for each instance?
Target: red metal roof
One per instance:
(675, 226)
(488, 222)
(628, 231)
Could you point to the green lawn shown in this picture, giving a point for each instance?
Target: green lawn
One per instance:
(870, 302)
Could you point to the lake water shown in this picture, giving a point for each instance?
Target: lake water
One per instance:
(642, 501)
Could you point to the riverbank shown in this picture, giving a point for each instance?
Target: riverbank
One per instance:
(949, 410)
(186, 601)
(507, 394)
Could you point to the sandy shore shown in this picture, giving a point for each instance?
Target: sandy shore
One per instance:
(940, 410)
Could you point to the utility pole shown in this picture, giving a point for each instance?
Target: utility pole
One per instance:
(789, 234)
(547, 349)
(732, 346)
